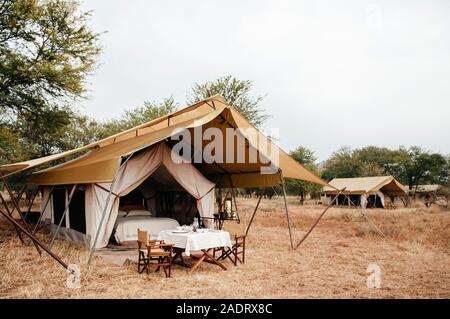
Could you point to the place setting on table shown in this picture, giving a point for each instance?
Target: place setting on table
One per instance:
(187, 239)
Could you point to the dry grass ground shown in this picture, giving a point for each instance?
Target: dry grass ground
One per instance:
(414, 258)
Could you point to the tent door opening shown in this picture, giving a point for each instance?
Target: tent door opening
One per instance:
(77, 207)
(374, 201)
(59, 204)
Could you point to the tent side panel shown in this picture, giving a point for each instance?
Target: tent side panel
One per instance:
(95, 201)
(363, 200)
(47, 214)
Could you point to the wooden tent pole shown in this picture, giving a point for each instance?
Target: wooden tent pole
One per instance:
(373, 224)
(31, 203)
(105, 208)
(350, 202)
(66, 208)
(286, 208)
(318, 219)
(273, 188)
(254, 212)
(10, 214)
(43, 209)
(234, 198)
(34, 239)
(19, 197)
(16, 205)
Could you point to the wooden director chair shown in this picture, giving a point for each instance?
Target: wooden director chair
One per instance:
(154, 250)
(235, 253)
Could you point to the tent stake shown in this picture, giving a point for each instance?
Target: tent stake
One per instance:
(63, 215)
(94, 244)
(34, 239)
(16, 205)
(254, 212)
(43, 209)
(318, 219)
(287, 211)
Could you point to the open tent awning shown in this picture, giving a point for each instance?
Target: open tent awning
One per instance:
(103, 159)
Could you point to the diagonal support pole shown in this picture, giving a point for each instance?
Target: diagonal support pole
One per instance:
(10, 214)
(19, 197)
(254, 212)
(105, 208)
(287, 211)
(318, 219)
(16, 205)
(233, 194)
(373, 224)
(43, 209)
(34, 239)
(66, 208)
(350, 202)
(31, 203)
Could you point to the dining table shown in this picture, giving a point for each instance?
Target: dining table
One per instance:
(202, 240)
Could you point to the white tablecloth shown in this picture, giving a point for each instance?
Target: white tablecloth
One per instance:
(196, 241)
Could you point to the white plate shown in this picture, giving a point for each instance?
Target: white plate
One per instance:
(180, 231)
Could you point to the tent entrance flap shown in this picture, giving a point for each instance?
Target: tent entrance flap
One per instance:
(171, 173)
(163, 196)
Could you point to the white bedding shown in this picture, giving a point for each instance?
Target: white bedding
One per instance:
(126, 227)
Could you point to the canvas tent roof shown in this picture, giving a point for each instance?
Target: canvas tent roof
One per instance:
(102, 161)
(366, 185)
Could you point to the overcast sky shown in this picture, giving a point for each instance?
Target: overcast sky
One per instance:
(335, 73)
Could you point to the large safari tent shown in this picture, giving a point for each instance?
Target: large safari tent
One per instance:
(81, 196)
(366, 192)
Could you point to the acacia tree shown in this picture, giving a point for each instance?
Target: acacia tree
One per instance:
(11, 149)
(342, 163)
(236, 93)
(83, 130)
(305, 157)
(418, 166)
(149, 111)
(46, 52)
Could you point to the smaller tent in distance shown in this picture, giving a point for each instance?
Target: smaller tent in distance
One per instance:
(366, 192)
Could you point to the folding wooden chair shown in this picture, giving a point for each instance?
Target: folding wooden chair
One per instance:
(154, 250)
(235, 253)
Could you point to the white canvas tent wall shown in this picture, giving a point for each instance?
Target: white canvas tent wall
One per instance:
(380, 186)
(130, 176)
